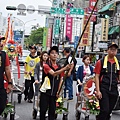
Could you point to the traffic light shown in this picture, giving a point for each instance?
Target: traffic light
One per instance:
(103, 16)
(11, 8)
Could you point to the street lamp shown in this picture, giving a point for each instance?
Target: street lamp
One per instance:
(24, 23)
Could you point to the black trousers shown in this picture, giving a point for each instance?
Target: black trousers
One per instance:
(47, 102)
(28, 92)
(107, 103)
(3, 100)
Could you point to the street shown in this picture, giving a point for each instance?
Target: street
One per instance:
(24, 109)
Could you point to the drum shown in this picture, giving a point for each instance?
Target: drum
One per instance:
(89, 88)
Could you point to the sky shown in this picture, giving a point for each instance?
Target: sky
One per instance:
(40, 19)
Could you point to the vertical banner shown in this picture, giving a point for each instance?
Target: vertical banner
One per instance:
(85, 38)
(45, 38)
(97, 36)
(49, 37)
(10, 29)
(56, 28)
(104, 35)
(69, 21)
(76, 39)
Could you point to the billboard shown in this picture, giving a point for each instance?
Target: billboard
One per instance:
(18, 36)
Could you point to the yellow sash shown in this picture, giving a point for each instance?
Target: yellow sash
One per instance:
(106, 59)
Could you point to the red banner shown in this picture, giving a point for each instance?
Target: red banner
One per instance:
(92, 4)
(18, 67)
(69, 21)
(49, 37)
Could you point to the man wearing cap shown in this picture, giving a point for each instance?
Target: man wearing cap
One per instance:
(4, 67)
(30, 63)
(48, 97)
(107, 76)
(69, 79)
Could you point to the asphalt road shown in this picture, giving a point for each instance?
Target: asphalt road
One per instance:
(23, 111)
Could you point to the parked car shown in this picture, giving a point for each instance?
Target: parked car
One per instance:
(21, 60)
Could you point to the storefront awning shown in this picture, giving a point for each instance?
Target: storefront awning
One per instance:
(107, 7)
(113, 30)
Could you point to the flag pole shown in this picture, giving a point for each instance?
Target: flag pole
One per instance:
(73, 56)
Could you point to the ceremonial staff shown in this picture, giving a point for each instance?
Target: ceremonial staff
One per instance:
(78, 45)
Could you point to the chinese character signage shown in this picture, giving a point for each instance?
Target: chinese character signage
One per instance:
(104, 35)
(85, 38)
(49, 36)
(69, 21)
(56, 28)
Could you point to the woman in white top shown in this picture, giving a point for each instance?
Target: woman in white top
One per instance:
(83, 72)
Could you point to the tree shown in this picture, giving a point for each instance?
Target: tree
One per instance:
(36, 36)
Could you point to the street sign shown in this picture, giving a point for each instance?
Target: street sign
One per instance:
(76, 11)
(56, 28)
(57, 10)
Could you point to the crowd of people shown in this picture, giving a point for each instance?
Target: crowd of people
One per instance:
(42, 65)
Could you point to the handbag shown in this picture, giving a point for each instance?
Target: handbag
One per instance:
(46, 85)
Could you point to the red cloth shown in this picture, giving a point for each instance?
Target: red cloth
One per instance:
(18, 67)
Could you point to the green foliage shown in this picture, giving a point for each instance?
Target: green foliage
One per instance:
(9, 109)
(93, 106)
(60, 107)
(35, 37)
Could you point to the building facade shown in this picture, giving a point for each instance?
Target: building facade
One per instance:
(3, 24)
